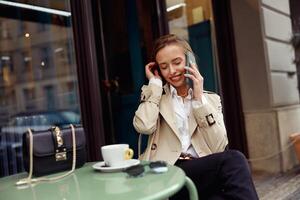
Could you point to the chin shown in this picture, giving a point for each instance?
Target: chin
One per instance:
(178, 83)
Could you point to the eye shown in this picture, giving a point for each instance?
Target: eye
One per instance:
(163, 66)
(177, 61)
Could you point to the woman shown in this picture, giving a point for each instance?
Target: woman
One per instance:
(186, 126)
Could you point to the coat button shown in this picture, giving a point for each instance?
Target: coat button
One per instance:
(154, 146)
(210, 119)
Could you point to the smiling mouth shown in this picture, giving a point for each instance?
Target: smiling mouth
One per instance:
(175, 78)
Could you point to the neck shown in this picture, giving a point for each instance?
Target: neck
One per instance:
(182, 91)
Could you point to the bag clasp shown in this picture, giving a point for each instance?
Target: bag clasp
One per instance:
(61, 151)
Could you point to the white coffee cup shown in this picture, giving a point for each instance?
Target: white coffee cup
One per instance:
(115, 155)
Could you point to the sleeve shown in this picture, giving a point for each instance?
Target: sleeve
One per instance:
(209, 118)
(146, 116)
(155, 81)
(196, 104)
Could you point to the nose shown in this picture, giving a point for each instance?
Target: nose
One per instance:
(172, 69)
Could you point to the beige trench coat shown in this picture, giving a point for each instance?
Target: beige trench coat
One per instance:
(155, 117)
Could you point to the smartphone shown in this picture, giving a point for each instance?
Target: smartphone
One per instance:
(189, 58)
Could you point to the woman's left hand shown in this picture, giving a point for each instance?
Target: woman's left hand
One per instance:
(197, 79)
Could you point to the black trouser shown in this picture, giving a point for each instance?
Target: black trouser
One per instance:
(224, 175)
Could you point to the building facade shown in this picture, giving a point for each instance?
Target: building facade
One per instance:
(268, 80)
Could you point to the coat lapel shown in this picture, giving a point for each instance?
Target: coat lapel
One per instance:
(192, 123)
(167, 111)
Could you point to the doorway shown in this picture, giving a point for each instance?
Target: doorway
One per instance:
(125, 47)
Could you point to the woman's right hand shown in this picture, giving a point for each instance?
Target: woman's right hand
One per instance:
(150, 72)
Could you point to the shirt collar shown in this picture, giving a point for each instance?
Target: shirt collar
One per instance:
(174, 92)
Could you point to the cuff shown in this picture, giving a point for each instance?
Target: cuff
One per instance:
(155, 81)
(197, 104)
(151, 93)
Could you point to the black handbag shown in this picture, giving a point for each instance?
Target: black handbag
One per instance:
(53, 150)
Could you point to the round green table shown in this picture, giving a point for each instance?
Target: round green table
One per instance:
(88, 184)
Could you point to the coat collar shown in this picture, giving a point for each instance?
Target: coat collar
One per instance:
(167, 111)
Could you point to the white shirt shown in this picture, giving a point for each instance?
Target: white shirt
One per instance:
(182, 110)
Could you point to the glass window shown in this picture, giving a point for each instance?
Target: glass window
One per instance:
(26, 61)
(193, 21)
(38, 79)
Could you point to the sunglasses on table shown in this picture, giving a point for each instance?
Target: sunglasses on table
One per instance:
(156, 167)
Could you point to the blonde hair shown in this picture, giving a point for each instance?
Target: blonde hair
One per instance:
(169, 39)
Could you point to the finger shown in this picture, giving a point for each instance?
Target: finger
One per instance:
(156, 72)
(196, 79)
(190, 76)
(151, 63)
(197, 83)
(189, 69)
(194, 66)
(149, 66)
(193, 71)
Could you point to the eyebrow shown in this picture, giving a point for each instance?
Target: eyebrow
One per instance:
(175, 59)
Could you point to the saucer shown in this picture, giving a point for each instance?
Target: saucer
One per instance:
(128, 163)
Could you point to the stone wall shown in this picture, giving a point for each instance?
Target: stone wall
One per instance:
(268, 81)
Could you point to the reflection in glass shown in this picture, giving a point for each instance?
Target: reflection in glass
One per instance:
(38, 82)
(193, 21)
